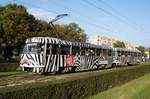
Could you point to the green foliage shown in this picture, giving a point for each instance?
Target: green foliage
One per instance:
(135, 89)
(5, 67)
(16, 24)
(119, 44)
(71, 32)
(147, 49)
(80, 87)
(141, 48)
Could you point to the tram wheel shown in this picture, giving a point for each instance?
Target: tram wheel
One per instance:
(61, 70)
(72, 69)
(114, 65)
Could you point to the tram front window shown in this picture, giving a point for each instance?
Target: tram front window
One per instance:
(31, 48)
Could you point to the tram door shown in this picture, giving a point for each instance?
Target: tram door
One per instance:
(123, 58)
(52, 51)
(83, 58)
(110, 58)
(66, 53)
(105, 54)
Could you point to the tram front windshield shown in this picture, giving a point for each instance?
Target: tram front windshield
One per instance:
(31, 48)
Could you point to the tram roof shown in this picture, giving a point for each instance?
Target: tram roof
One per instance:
(52, 40)
(125, 49)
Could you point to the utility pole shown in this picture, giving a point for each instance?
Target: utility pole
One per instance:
(98, 39)
(54, 20)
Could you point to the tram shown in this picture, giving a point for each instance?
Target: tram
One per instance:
(50, 55)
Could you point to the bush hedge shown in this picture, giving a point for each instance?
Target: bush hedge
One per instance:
(75, 88)
(6, 67)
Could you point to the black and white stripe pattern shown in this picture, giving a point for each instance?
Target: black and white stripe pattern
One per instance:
(51, 40)
(53, 62)
(34, 60)
(86, 62)
(43, 40)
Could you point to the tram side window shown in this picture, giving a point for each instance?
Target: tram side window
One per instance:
(91, 52)
(75, 50)
(105, 53)
(55, 49)
(126, 54)
(98, 52)
(83, 51)
(122, 53)
(135, 54)
(49, 49)
(113, 53)
(65, 50)
(119, 53)
(109, 53)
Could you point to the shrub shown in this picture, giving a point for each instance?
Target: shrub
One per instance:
(5, 67)
(75, 88)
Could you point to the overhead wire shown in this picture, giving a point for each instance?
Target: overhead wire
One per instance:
(55, 12)
(83, 18)
(119, 14)
(77, 13)
(100, 9)
(72, 17)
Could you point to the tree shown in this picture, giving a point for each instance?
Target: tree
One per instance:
(73, 32)
(119, 44)
(16, 25)
(147, 49)
(141, 48)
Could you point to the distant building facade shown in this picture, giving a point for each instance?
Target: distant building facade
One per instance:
(147, 54)
(108, 41)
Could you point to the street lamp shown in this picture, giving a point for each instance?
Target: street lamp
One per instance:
(55, 19)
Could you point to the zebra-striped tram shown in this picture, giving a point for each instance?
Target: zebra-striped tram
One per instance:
(47, 54)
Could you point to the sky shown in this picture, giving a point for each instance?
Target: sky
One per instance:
(127, 20)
